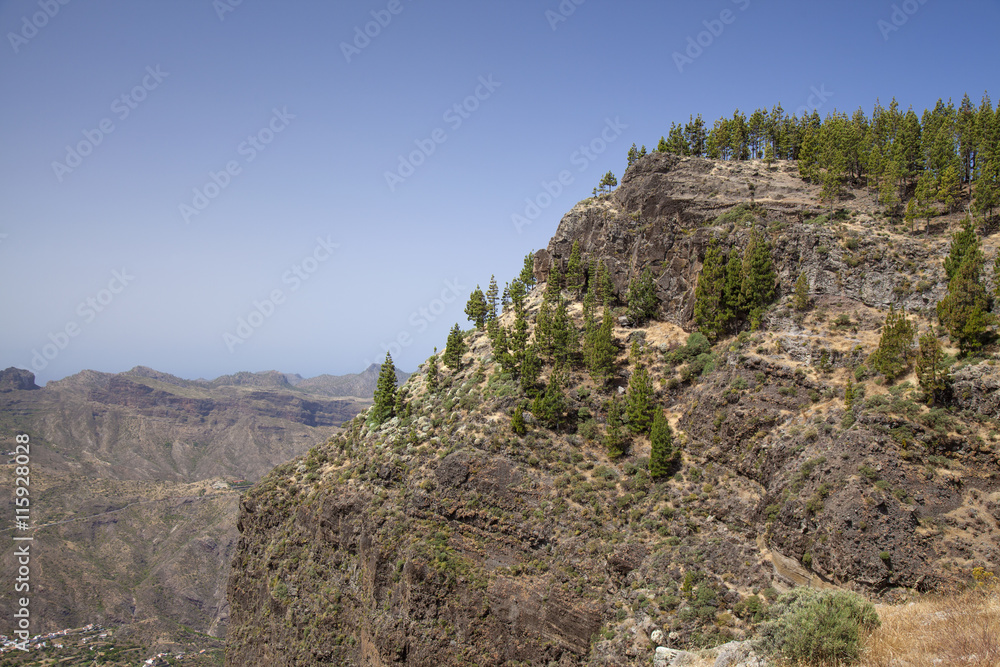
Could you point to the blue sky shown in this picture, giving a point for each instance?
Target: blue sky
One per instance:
(170, 169)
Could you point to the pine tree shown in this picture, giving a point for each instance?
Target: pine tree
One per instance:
(801, 298)
(950, 189)
(432, 373)
(492, 294)
(608, 183)
(518, 292)
(710, 314)
(605, 288)
(517, 421)
(695, 136)
(963, 243)
(925, 198)
(911, 214)
(931, 373)
(385, 393)
(642, 300)
(454, 349)
(895, 346)
(518, 338)
(527, 275)
(734, 310)
(602, 350)
(757, 289)
(565, 340)
(769, 155)
(530, 369)
(809, 157)
(550, 406)
(574, 270)
(639, 400)
(554, 282)
(543, 328)
(589, 326)
(476, 308)
(614, 438)
(501, 350)
(402, 408)
(963, 312)
(890, 183)
(635, 353)
(663, 458)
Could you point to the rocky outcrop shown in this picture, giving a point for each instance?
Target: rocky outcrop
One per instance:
(667, 208)
(977, 387)
(17, 379)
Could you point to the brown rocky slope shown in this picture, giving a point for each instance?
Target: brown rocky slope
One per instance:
(133, 520)
(444, 538)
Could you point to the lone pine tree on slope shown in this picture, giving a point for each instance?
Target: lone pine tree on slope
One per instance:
(385, 393)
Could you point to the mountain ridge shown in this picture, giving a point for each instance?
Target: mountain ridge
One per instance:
(448, 535)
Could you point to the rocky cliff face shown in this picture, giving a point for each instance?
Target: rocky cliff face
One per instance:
(443, 537)
(667, 208)
(13, 379)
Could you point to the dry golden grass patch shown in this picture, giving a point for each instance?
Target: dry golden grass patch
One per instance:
(960, 629)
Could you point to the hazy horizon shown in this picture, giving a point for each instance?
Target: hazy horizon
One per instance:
(210, 187)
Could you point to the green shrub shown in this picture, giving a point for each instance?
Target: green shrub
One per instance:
(813, 626)
(751, 609)
(589, 430)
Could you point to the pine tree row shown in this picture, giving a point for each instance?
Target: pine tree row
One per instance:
(935, 161)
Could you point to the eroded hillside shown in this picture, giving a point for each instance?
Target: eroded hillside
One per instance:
(444, 537)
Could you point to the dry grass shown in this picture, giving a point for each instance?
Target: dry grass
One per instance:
(961, 629)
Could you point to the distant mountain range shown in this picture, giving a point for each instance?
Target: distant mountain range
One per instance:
(134, 518)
